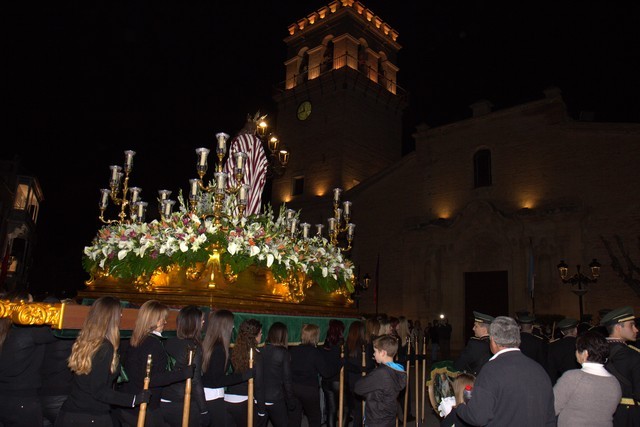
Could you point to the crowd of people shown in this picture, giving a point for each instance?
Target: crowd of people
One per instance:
(515, 376)
(583, 378)
(100, 378)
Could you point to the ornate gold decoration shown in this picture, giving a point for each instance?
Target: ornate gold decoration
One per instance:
(31, 313)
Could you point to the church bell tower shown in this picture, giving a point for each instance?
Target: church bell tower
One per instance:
(339, 108)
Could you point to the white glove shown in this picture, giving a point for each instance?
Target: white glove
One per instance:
(446, 405)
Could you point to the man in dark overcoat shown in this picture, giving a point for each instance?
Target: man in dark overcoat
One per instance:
(511, 389)
(532, 345)
(562, 351)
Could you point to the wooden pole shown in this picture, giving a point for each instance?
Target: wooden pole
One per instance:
(364, 366)
(187, 397)
(341, 391)
(424, 375)
(250, 393)
(406, 390)
(142, 414)
(416, 408)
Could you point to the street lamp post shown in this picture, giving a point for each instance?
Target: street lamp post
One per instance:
(579, 281)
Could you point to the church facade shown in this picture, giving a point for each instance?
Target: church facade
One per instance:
(481, 213)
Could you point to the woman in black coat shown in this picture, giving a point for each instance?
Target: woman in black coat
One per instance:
(215, 366)
(273, 379)
(181, 350)
(331, 352)
(147, 339)
(95, 364)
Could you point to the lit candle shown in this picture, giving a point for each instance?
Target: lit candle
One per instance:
(164, 194)
(336, 194)
(104, 199)
(305, 229)
(142, 209)
(221, 181)
(332, 224)
(135, 193)
(319, 228)
(202, 154)
(128, 160)
(221, 148)
(240, 160)
(167, 207)
(350, 230)
(193, 185)
(347, 208)
(242, 194)
(294, 224)
(115, 170)
(338, 214)
(290, 213)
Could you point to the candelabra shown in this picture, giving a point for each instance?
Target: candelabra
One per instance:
(339, 230)
(278, 155)
(579, 279)
(339, 226)
(132, 208)
(220, 186)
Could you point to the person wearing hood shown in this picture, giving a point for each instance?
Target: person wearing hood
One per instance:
(381, 387)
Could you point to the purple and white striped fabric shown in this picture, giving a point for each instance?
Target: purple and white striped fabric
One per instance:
(255, 171)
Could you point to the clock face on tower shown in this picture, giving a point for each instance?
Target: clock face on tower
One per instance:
(304, 110)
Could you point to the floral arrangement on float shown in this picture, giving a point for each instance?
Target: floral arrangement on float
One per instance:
(220, 227)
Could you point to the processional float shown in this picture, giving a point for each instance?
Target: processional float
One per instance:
(221, 248)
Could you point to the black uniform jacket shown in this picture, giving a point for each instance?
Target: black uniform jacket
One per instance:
(474, 355)
(561, 357)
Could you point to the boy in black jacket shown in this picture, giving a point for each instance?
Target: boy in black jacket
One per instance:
(381, 386)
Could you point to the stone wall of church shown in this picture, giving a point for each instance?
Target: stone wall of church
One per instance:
(559, 188)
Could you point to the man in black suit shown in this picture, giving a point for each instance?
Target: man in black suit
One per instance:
(511, 389)
(562, 352)
(532, 345)
(477, 351)
(624, 363)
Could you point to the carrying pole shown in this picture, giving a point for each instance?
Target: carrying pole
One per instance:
(250, 394)
(187, 397)
(406, 390)
(423, 385)
(142, 414)
(341, 391)
(364, 367)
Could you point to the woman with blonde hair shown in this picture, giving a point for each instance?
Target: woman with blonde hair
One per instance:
(308, 365)
(146, 340)
(95, 363)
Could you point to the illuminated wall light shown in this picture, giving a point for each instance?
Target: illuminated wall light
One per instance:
(322, 12)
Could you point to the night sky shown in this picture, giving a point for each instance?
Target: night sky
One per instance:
(84, 82)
